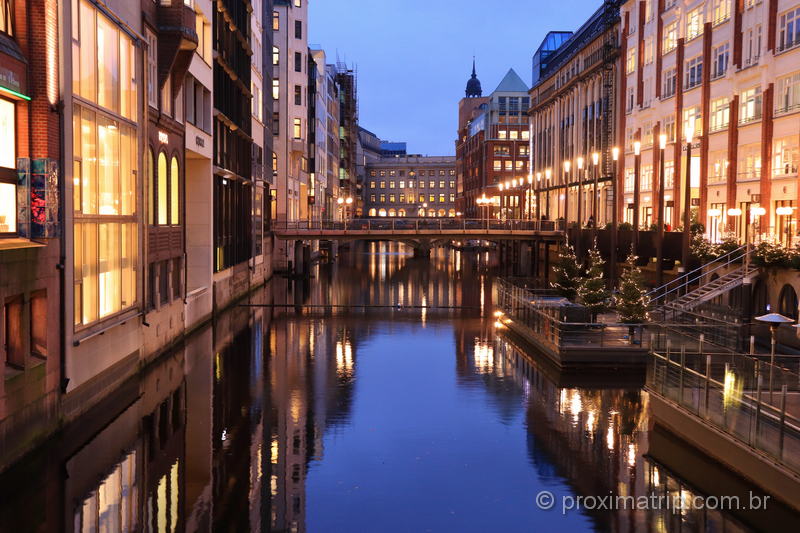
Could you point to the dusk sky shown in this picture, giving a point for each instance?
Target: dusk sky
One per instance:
(414, 56)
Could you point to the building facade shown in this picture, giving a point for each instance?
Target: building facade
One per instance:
(493, 150)
(572, 121)
(729, 72)
(31, 208)
(411, 186)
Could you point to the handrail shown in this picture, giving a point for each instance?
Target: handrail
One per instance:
(660, 293)
(418, 224)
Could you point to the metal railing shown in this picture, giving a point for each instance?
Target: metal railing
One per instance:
(419, 224)
(680, 285)
(541, 312)
(745, 398)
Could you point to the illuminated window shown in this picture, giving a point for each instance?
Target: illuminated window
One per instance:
(104, 63)
(630, 63)
(787, 95)
(670, 41)
(276, 21)
(8, 135)
(694, 23)
(722, 11)
(750, 103)
(276, 55)
(297, 130)
(276, 89)
(720, 114)
(105, 229)
(6, 17)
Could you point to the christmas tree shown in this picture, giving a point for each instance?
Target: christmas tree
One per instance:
(632, 302)
(567, 273)
(592, 288)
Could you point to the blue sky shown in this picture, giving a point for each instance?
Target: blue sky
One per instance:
(414, 56)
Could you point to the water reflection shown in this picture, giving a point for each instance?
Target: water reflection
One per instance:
(413, 416)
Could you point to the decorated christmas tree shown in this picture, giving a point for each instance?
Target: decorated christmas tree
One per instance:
(592, 288)
(567, 273)
(631, 301)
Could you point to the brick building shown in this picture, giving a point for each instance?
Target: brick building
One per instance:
(492, 150)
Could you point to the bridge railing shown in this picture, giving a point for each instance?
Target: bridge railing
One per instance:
(418, 224)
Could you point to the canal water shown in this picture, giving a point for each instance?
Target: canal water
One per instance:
(376, 397)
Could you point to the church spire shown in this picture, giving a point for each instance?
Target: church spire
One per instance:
(474, 85)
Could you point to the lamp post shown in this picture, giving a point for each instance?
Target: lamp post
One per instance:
(529, 198)
(567, 166)
(662, 145)
(614, 217)
(687, 198)
(595, 200)
(579, 164)
(774, 321)
(637, 164)
(547, 174)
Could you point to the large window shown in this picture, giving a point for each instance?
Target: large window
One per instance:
(694, 23)
(721, 55)
(670, 41)
(750, 105)
(694, 72)
(720, 114)
(668, 87)
(105, 215)
(787, 97)
(789, 29)
(104, 167)
(104, 63)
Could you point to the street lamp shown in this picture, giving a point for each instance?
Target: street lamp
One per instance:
(662, 145)
(687, 198)
(579, 164)
(567, 166)
(595, 200)
(637, 165)
(547, 174)
(614, 220)
(774, 321)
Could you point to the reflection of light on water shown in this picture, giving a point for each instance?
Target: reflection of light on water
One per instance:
(562, 401)
(401, 294)
(484, 356)
(458, 261)
(483, 296)
(344, 357)
(311, 340)
(610, 436)
(274, 451)
(591, 422)
(631, 455)
(656, 477)
(575, 404)
(424, 309)
(295, 406)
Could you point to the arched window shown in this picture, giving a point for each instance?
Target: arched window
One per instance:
(431, 212)
(451, 213)
(161, 190)
(372, 212)
(788, 302)
(401, 212)
(421, 212)
(392, 212)
(442, 212)
(174, 189)
(382, 213)
(151, 186)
